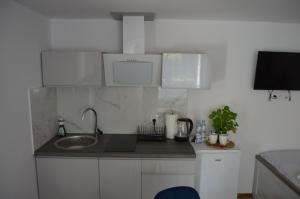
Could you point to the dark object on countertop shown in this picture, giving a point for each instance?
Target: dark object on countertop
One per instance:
(181, 139)
(149, 133)
(152, 137)
(185, 127)
(121, 143)
(193, 139)
(181, 192)
(154, 122)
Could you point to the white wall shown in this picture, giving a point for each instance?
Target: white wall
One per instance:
(233, 48)
(22, 36)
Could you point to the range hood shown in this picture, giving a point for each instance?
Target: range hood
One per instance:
(133, 67)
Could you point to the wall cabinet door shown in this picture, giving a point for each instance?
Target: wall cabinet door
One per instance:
(71, 68)
(219, 171)
(120, 179)
(185, 70)
(68, 178)
(158, 175)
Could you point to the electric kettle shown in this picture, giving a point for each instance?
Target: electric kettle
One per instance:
(184, 129)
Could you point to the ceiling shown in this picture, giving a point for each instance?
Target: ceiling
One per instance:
(249, 10)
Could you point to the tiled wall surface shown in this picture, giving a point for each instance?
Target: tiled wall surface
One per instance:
(120, 109)
(43, 114)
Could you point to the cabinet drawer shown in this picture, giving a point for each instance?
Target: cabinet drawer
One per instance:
(168, 166)
(219, 160)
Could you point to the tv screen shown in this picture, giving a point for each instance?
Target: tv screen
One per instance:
(277, 71)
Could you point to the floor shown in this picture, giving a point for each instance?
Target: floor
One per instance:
(245, 197)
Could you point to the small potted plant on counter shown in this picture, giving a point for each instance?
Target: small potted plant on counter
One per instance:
(223, 121)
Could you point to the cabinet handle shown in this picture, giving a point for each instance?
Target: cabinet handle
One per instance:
(218, 160)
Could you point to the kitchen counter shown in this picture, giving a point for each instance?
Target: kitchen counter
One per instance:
(168, 149)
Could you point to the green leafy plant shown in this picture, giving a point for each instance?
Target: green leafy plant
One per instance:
(224, 120)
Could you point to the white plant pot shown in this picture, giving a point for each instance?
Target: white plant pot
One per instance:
(213, 138)
(223, 139)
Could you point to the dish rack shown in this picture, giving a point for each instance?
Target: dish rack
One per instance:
(151, 133)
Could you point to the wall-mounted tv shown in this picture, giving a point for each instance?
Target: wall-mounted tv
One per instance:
(277, 71)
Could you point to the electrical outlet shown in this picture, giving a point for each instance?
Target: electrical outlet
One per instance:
(280, 97)
(154, 116)
(159, 118)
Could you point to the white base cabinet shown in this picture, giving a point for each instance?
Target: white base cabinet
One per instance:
(120, 179)
(110, 178)
(67, 178)
(158, 175)
(218, 174)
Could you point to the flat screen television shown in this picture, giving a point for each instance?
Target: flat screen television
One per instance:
(277, 71)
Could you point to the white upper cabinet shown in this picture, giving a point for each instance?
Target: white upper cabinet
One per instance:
(132, 70)
(71, 68)
(181, 70)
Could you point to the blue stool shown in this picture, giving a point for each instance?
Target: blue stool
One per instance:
(178, 193)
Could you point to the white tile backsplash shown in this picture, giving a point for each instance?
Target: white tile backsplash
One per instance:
(70, 104)
(120, 109)
(173, 100)
(43, 103)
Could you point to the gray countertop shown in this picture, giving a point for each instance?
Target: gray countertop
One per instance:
(168, 149)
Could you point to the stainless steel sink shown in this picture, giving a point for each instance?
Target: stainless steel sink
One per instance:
(76, 142)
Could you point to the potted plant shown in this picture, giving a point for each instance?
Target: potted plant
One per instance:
(223, 121)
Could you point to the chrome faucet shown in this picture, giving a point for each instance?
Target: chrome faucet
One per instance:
(96, 129)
